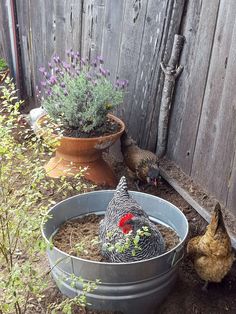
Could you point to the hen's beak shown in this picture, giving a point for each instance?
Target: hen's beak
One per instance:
(155, 182)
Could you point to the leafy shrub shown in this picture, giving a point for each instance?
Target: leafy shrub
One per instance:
(3, 64)
(25, 195)
(79, 93)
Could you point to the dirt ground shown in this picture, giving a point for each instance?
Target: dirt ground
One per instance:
(187, 296)
(79, 237)
(197, 193)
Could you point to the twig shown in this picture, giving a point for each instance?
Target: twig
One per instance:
(171, 72)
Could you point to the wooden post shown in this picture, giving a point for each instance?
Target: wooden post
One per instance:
(171, 72)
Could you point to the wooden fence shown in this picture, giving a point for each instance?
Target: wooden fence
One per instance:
(202, 134)
(133, 36)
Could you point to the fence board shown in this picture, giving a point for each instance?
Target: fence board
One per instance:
(25, 34)
(211, 162)
(174, 14)
(201, 15)
(5, 43)
(150, 57)
(87, 22)
(97, 28)
(46, 28)
(129, 57)
(112, 33)
(231, 197)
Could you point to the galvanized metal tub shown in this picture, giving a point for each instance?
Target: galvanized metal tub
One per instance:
(131, 288)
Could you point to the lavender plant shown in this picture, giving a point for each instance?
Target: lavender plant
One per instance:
(79, 93)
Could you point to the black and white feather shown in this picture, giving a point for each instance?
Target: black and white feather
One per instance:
(110, 233)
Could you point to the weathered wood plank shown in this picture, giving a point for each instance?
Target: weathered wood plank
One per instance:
(186, 110)
(129, 57)
(25, 37)
(231, 197)
(87, 25)
(214, 149)
(5, 43)
(112, 32)
(45, 28)
(173, 20)
(150, 52)
(97, 28)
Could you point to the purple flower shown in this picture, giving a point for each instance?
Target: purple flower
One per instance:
(118, 83)
(53, 80)
(100, 59)
(77, 72)
(63, 85)
(45, 74)
(56, 69)
(43, 83)
(56, 59)
(65, 65)
(94, 63)
(50, 65)
(65, 93)
(49, 92)
(42, 69)
(102, 71)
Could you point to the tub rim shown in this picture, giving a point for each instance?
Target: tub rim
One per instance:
(175, 249)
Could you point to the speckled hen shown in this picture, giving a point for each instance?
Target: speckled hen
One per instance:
(124, 218)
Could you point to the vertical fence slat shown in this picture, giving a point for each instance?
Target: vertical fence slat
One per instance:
(112, 33)
(211, 164)
(172, 19)
(5, 42)
(129, 57)
(190, 88)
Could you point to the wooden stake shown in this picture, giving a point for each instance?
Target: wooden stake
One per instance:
(171, 72)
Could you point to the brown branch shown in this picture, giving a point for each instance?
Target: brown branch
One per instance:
(171, 72)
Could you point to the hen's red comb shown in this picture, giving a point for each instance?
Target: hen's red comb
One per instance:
(124, 219)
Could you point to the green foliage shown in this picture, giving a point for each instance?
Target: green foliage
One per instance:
(81, 248)
(128, 241)
(25, 195)
(68, 305)
(3, 64)
(80, 94)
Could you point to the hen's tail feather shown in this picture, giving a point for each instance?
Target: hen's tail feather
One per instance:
(122, 187)
(220, 220)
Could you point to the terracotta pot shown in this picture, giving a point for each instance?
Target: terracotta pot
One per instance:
(3, 75)
(74, 153)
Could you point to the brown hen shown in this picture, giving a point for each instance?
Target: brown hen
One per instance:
(212, 252)
(142, 162)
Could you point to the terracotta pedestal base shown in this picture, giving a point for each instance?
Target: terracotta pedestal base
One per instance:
(74, 153)
(99, 172)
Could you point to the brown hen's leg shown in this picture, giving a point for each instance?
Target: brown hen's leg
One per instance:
(137, 185)
(204, 288)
